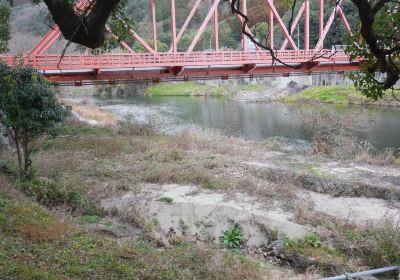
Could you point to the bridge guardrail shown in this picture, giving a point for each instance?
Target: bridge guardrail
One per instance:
(82, 61)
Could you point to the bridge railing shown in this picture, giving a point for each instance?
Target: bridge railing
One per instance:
(138, 60)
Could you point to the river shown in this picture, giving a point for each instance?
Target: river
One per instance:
(255, 121)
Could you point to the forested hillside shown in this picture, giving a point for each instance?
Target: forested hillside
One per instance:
(30, 22)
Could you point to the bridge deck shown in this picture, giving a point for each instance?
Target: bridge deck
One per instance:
(123, 66)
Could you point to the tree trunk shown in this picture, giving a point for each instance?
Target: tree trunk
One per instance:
(25, 147)
(17, 144)
(87, 30)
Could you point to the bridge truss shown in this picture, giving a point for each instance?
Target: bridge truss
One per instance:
(86, 68)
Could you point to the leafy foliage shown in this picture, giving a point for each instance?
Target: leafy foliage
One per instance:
(313, 240)
(232, 237)
(166, 199)
(28, 108)
(5, 13)
(378, 44)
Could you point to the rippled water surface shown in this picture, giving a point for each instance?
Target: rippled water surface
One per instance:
(251, 120)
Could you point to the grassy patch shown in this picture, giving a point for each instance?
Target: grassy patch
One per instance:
(374, 245)
(251, 87)
(328, 94)
(73, 128)
(34, 245)
(178, 89)
(338, 95)
(378, 245)
(28, 220)
(222, 91)
(88, 219)
(60, 190)
(326, 259)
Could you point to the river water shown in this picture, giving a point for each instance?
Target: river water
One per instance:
(256, 121)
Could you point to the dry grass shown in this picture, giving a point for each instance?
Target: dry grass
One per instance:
(230, 146)
(132, 127)
(90, 112)
(39, 232)
(94, 113)
(372, 245)
(332, 133)
(386, 157)
(106, 162)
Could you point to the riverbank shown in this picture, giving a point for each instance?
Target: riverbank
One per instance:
(201, 89)
(178, 89)
(347, 95)
(128, 182)
(265, 92)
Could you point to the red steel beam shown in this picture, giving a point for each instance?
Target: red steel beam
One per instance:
(247, 28)
(173, 25)
(47, 41)
(187, 21)
(216, 39)
(321, 17)
(337, 9)
(141, 41)
(200, 73)
(306, 24)
(327, 27)
(294, 25)
(344, 20)
(203, 26)
(124, 44)
(154, 24)
(281, 24)
(271, 28)
(244, 37)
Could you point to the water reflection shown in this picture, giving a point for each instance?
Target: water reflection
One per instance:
(252, 120)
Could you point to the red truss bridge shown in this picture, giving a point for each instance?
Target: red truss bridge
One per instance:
(86, 68)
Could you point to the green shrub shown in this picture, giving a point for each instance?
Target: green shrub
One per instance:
(50, 193)
(9, 167)
(167, 200)
(232, 237)
(313, 240)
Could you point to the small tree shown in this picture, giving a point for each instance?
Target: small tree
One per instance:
(28, 108)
